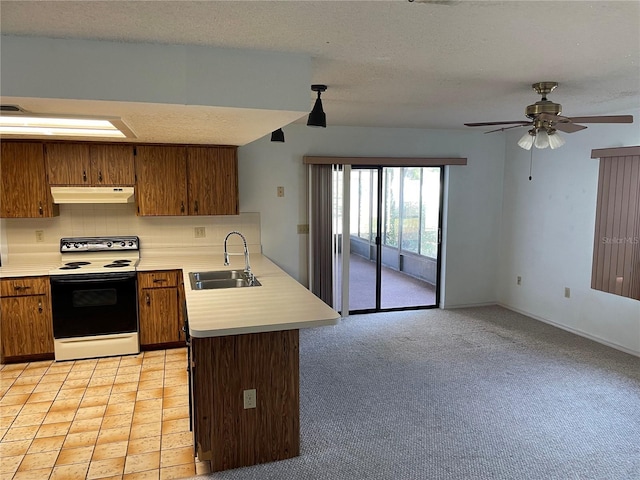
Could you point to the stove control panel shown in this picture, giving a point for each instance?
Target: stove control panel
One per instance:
(99, 244)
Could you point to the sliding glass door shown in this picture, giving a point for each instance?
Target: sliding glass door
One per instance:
(395, 215)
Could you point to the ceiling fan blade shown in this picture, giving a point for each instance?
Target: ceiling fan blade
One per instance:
(507, 128)
(487, 124)
(604, 119)
(568, 127)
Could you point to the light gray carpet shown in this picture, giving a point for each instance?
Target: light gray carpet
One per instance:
(478, 393)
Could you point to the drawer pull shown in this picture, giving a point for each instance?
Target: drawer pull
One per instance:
(99, 176)
(159, 280)
(20, 287)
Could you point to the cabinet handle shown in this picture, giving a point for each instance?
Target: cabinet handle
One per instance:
(181, 207)
(196, 206)
(99, 176)
(20, 287)
(159, 280)
(40, 210)
(39, 307)
(84, 175)
(148, 300)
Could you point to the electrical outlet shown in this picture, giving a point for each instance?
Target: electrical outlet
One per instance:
(281, 191)
(250, 398)
(567, 292)
(519, 280)
(39, 236)
(199, 232)
(302, 229)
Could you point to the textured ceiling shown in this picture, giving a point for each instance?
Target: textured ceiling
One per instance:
(393, 63)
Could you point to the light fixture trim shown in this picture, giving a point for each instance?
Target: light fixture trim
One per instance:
(63, 125)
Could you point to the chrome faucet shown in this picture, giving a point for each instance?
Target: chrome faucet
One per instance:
(247, 267)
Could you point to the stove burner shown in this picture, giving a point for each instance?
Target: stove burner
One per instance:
(76, 264)
(70, 267)
(121, 261)
(116, 265)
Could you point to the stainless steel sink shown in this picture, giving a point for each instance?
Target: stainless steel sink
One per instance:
(217, 275)
(221, 279)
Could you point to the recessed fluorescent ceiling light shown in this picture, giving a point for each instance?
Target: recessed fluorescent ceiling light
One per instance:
(63, 126)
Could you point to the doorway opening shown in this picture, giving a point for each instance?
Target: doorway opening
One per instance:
(394, 224)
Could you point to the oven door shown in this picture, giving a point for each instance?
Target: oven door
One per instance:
(94, 304)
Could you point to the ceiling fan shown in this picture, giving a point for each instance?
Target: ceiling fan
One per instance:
(546, 120)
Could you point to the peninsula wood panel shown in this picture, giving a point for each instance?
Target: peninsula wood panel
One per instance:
(112, 165)
(616, 253)
(161, 180)
(68, 163)
(223, 367)
(24, 192)
(213, 180)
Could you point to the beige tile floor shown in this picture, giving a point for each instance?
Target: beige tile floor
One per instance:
(111, 418)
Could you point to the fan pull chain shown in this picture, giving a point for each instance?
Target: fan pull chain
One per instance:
(531, 165)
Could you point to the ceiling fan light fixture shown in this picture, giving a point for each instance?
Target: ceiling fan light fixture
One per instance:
(555, 140)
(542, 139)
(277, 136)
(526, 141)
(317, 117)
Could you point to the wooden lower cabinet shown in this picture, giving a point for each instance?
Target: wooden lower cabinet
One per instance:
(160, 308)
(27, 328)
(222, 368)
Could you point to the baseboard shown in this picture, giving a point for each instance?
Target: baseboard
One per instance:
(572, 330)
(468, 305)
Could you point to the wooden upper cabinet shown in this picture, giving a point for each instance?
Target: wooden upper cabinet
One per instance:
(25, 192)
(213, 180)
(68, 163)
(161, 180)
(112, 165)
(89, 164)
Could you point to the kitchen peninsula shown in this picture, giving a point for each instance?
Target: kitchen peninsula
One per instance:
(245, 339)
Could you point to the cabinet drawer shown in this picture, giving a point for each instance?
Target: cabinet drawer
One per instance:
(20, 286)
(166, 278)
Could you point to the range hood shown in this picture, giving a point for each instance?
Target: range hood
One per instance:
(92, 194)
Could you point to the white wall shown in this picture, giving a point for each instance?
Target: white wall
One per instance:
(548, 234)
(473, 208)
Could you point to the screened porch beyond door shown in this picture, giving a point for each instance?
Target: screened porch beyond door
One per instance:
(400, 290)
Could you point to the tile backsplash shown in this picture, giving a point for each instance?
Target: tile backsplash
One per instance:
(120, 219)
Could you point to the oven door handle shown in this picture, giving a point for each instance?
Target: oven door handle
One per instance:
(92, 280)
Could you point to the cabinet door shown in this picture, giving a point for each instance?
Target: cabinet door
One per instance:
(159, 316)
(24, 191)
(112, 165)
(27, 327)
(68, 163)
(213, 180)
(161, 180)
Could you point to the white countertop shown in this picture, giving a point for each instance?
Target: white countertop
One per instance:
(280, 303)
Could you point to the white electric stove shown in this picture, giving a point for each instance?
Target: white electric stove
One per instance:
(94, 297)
